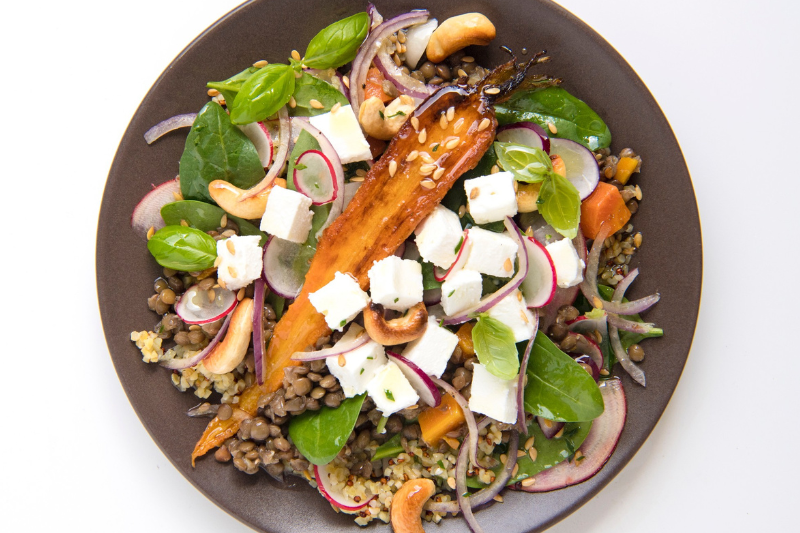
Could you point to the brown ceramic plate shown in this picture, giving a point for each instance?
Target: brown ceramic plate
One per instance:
(670, 261)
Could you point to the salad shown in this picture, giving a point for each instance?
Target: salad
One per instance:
(375, 259)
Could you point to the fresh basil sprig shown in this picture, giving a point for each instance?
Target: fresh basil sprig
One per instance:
(183, 248)
(230, 88)
(495, 347)
(337, 44)
(307, 88)
(263, 94)
(528, 164)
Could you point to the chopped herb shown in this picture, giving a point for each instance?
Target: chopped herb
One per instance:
(300, 166)
(370, 358)
(389, 395)
(343, 322)
(435, 147)
(362, 371)
(161, 328)
(451, 293)
(396, 299)
(440, 463)
(441, 323)
(381, 114)
(548, 236)
(398, 114)
(458, 246)
(382, 425)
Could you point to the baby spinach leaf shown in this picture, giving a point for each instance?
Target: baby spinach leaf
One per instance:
(495, 347)
(182, 248)
(572, 118)
(230, 88)
(321, 435)
(527, 163)
(263, 94)
(309, 88)
(337, 44)
(205, 217)
(559, 388)
(560, 204)
(428, 279)
(217, 150)
(390, 448)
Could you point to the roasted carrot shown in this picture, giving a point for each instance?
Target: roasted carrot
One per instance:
(436, 422)
(375, 86)
(604, 206)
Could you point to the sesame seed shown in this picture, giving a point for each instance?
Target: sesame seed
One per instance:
(443, 121)
(427, 169)
(557, 435)
(578, 455)
(184, 223)
(533, 453)
(415, 123)
(401, 48)
(468, 59)
(295, 55)
(474, 193)
(232, 271)
(342, 361)
(222, 284)
(428, 184)
(316, 104)
(519, 296)
(638, 192)
(603, 372)
(513, 472)
(458, 125)
(423, 135)
(637, 240)
(484, 124)
(438, 173)
(240, 294)
(597, 302)
(462, 73)
(529, 443)
(462, 210)
(451, 113)
(401, 36)
(361, 172)
(392, 167)
(150, 232)
(425, 156)
(346, 81)
(495, 169)
(230, 246)
(412, 156)
(397, 60)
(223, 221)
(212, 92)
(524, 317)
(528, 482)
(452, 143)
(498, 498)
(552, 128)
(261, 64)
(211, 294)
(492, 90)
(507, 266)
(357, 179)
(178, 196)
(292, 102)
(217, 261)
(520, 453)
(336, 107)
(503, 458)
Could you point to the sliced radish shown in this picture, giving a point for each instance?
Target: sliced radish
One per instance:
(314, 177)
(539, 286)
(596, 449)
(284, 131)
(198, 306)
(282, 276)
(261, 138)
(549, 427)
(424, 385)
(346, 344)
(322, 474)
(147, 213)
(188, 362)
(582, 170)
(542, 231)
(526, 134)
(417, 38)
(461, 259)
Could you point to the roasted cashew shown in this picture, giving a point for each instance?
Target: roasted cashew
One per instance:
(397, 331)
(228, 197)
(459, 32)
(231, 350)
(383, 122)
(406, 510)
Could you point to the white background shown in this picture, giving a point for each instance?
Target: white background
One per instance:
(724, 456)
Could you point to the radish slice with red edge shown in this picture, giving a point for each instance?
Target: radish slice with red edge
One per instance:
(284, 139)
(425, 387)
(346, 344)
(147, 213)
(539, 286)
(259, 342)
(334, 495)
(596, 449)
(188, 362)
(550, 428)
(259, 135)
(526, 134)
(198, 306)
(441, 274)
(168, 125)
(566, 296)
(280, 272)
(314, 176)
(582, 169)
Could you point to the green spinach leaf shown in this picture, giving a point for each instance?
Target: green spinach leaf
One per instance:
(428, 279)
(495, 347)
(390, 448)
(182, 248)
(309, 88)
(337, 44)
(559, 388)
(278, 303)
(320, 435)
(572, 118)
(560, 204)
(230, 88)
(205, 217)
(263, 94)
(217, 150)
(527, 163)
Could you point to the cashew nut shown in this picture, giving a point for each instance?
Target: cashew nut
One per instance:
(383, 122)
(407, 505)
(228, 197)
(398, 331)
(459, 32)
(231, 350)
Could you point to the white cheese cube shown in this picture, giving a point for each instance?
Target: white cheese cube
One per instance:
(491, 198)
(569, 267)
(343, 131)
(395, 283)
(439, 236)
(461, 291)
(513, 312)
(492, 396)
(390, 390)
(340, 300)
(432, 351)
(361, 364)
(288, 215)
(491, 253)
(241, 261)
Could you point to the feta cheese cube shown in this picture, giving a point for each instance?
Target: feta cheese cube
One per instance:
(361, 364)
(342, 129)
(513, 312)
(241, 260)
(288, 215)
(340, 300)
(432, 351)
(491, 198)
(491, 253)
(439, 236)
(569, 267)
(492, 396)
(461, 291)
(395, 283)
(390, 390)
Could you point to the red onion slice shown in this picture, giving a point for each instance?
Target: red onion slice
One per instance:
(422, 383)
(195, 307)
(315, 178)
(549, 427)
(279, 270)
(417, 38)
(539, 286)
(180, 364)
(582, 170)
(461, 259)
(526, 134)
(587, 326)
(462, 493)
(342, 347)
(375, 18)
(404, 83)
(522, 423)
(334, 496)
(259, 343)
(613, 334)
(166, 126)
(487, 302)
(147, 213)
(284, 139)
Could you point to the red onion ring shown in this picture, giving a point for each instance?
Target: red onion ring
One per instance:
(284, 140)
(522, 424)
(462, 497)
(404, 83)
(340, 348)
(168, 125)
(613, 334)
(259, 344)
(472, 427)
(180, 364)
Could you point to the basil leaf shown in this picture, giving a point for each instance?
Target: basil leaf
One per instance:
(558, 387)
(527, 163)
(217, 150)
(182, 248)
(572, 118)
(321, 435)
(263, 94)
(205, 217)
(390, 448)
(560, 204)
(337, 44)
(309, 88)
(495, 347)
(231, 87)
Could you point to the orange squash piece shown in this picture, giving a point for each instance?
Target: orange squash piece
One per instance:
(436, 422)
(464, 335)
(604, 206)
(625, 167)
(375, 87)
